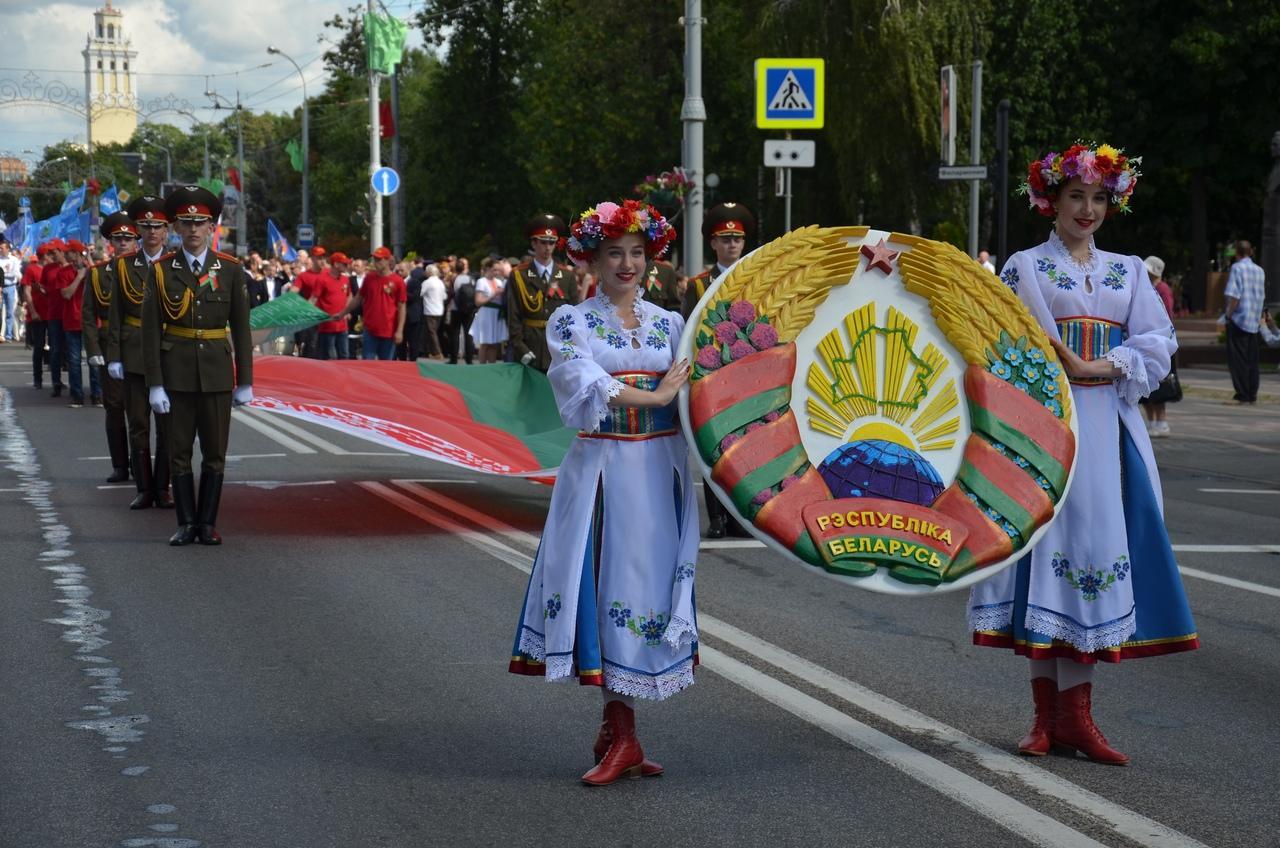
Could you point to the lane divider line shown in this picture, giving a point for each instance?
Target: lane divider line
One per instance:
(279, 422)
(270, 432)
(1242, 491)
(1003, 809)
(483, 519)
(1230, 581)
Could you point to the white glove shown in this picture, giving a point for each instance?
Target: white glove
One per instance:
(159, 400)
(116, 370)
(242, 395)
(97, 360)
(527, 358)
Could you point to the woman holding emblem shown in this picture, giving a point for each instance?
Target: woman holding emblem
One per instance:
(1102, 584)
(610, 598)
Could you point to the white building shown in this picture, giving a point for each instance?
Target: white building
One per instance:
(111, 83)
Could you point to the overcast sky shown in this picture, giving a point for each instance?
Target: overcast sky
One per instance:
(178, 42)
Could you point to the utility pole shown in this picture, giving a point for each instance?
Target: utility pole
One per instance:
(242, 210)
(975, 156)
(693, 113)
(375, 147)
(306, 136)
(397, 199)
(1002, 181)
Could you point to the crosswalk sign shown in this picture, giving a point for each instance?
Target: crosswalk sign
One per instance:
(790, 93)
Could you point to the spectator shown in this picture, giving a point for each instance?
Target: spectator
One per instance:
(1169, 390)
(382, 299)
(10, 274)
(331, 293)
(464, 307)
(411, 347)
(1270, 334)
(984, 259)
(433, 295)
(35, 302)
(1244, 293)
(58, 274)
(489, 328)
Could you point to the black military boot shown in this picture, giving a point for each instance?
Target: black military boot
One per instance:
(160, 478)
(142, 479)
(118, 447)
(717, 517)
(207, 513)
(184, 500)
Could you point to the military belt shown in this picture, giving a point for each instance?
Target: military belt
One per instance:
(133, 321)
(536, 323)
(196, 333)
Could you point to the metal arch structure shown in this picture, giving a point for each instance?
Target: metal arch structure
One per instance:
(32, 91)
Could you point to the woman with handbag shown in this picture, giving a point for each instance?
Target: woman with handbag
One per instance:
(1170, 389)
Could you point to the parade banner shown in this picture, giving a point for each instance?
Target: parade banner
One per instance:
(879, 407)
(498, 419)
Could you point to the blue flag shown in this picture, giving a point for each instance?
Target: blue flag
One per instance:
(41, 232)
(16, 233)
(279, 244)
(74, 200)
(109, 202)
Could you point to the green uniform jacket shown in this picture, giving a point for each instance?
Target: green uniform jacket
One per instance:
(96, 308)
(530, 304)
(661, 285)
(184, 364)
(697, 288)
(124, 320)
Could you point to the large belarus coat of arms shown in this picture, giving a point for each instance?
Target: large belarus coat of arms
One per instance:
(877, 406)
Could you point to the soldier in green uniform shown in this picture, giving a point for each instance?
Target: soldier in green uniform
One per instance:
(124, 353)
(194, 318)
(727, 227)
(119, 229)
(537, 287)
(662, 285)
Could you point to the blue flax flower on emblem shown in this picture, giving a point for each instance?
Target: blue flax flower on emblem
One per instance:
(619, 613)
(1049, 387)
(1002, 370)
(1052, 370)
(684, 571)
(1013, 356)
(615, 340)
(1035, 356)
(1030, 374)
(553, 607)
(1053, 406)
(1010, 278)
(1021, 386)
(564, 327)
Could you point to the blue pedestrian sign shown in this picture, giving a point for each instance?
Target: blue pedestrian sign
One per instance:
(790, 93)
(385, 181)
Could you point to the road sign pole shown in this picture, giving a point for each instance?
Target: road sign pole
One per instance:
(786, 215)
(693, 113)
(375, 155)
(975, 157)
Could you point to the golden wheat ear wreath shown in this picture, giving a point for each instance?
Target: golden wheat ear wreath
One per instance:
(883, 334)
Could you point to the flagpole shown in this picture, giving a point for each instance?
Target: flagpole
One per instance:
(375, 142)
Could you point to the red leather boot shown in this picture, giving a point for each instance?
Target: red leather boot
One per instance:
(648, 768)
(1036, 743)
(1074, 728)
(624, 756)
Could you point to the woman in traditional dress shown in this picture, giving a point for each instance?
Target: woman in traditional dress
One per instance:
(489, 329)
(610, 599)
(1102, 583)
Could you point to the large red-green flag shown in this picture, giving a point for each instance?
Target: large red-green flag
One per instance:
(500, 419)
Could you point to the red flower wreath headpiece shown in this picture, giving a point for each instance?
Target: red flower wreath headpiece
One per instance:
(1102, 165)
(608, 220)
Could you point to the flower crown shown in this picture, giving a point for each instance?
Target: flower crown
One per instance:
(609, 220)
(1101, 165)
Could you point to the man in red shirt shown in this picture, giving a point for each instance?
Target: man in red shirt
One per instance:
(382, 296)
(73, 276)
(33, 298)
(330, 292)
(305, 284)
(54, 278)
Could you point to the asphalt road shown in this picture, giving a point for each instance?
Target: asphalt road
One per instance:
(334, 675)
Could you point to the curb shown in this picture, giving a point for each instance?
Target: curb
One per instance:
(1223, 394)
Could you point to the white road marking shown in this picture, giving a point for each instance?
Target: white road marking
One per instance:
(713, 544)
(1238, 444)
(236, 457)
(270, 432)
(117, 486)
(10, 490)
(1243, 491)
(436, 480)
(1227, 549)
(483, 519)
(280, 484)
(1003, 809)
(279, 422)
(1230, 581)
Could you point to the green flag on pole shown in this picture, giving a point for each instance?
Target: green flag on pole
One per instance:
(385, 38)
(295, 154)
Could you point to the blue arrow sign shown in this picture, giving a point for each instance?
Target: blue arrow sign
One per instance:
(385, 181)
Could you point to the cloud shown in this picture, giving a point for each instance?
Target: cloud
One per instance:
(177, 44)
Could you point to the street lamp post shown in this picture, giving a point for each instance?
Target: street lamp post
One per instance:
(306, 159)
(242, 211)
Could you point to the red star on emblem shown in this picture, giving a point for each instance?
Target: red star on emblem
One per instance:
(879, 256)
